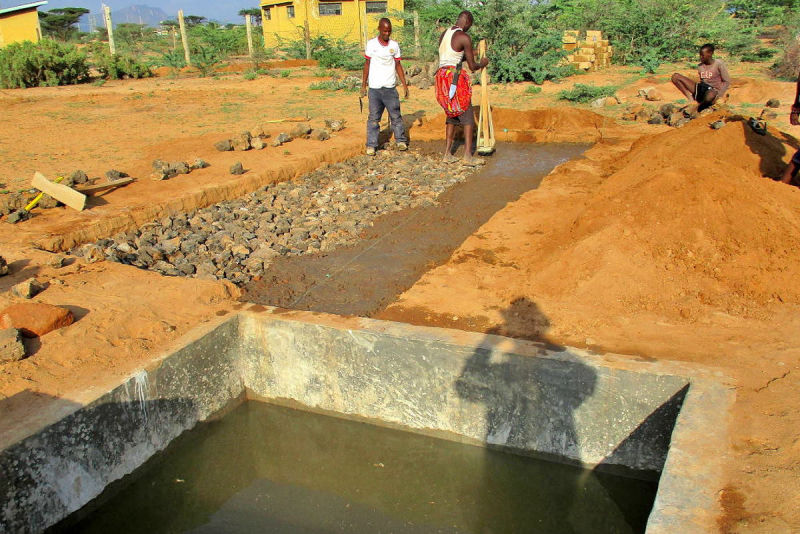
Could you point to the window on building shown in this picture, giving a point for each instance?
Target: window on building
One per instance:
(330, 8)
(376, 7)
(290, 11)
(266, 14)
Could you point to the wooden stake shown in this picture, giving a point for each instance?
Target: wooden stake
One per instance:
(60, 192)
(307, 35)
(249, 25)
(417, 46)
(110, 27)
(485, 141)
(184, 39)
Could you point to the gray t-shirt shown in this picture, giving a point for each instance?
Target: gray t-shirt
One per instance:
(716, 75)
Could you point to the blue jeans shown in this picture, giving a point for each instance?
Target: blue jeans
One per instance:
(380, 99)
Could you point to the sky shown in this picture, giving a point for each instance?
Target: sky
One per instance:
(221, 11)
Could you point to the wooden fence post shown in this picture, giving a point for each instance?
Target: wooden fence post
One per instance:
(249, 25)
(307, 35)
(110, 28)
(417, 47)
(184, 39)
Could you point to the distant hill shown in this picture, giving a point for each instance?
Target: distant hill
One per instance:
(149, 16)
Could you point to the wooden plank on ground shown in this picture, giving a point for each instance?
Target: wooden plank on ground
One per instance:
(60, 192)
(90, 190)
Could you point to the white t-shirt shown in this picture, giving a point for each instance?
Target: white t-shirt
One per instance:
(382, 61)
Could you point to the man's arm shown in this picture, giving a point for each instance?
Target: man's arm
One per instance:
(794, 116)
(364, 76)
(469, 54)
(726, 79)
(402, 75)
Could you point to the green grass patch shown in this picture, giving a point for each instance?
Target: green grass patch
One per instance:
(582, 93)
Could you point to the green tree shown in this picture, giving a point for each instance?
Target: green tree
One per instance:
(60, 22)
(253, 12)
(130, 34)
(194, 20)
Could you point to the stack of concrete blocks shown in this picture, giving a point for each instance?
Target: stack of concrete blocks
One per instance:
(590, 53)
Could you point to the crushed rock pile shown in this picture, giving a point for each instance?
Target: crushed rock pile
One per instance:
(237, 240)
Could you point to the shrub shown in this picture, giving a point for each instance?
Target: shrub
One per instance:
(250, 75)
(650, 60)
(522, 42)
(586, 93)
(349, 84)
(788, 66)
(339, 55)
(533, 90)
(44, 64)
(174, 59)
(118, 67)
(759, 54)
(329, 53)
(205, 59)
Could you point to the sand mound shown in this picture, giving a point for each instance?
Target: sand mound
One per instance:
(684, 222)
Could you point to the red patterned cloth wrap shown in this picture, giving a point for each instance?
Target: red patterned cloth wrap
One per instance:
(463, 98)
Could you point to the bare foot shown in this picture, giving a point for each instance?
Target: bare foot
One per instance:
(473, 162)
(449, 158)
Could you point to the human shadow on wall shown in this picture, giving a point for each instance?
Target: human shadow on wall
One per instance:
(530, 404)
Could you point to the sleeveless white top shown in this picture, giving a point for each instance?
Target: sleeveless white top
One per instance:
(447, 56)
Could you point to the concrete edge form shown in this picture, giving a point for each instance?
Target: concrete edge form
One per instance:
(608, 409)
(56, 471)
(688, 491)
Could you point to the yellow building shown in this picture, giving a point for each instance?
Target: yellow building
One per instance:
(20, 23)
(355, 21)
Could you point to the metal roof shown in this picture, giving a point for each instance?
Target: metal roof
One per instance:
(5, 10)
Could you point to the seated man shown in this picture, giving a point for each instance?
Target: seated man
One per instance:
(714, 81)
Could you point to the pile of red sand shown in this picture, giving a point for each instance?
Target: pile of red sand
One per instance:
(684, 223)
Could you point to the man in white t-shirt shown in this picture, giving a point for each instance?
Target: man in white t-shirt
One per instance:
(382, 68)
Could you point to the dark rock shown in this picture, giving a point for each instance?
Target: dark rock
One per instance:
(92, 253)
(17, 216)
(321, 135)
(57, 261)
(237, 168)
(301, 130)
(27, 289)
(224, 146)
(281, 139)
(160, 165)
(241, 142)
(656, 118)
(667, 109)
(113, 175)
(178, 167)
(3, 266)
(77, 177)
(165, 268)
(199, 164)
(334, 125)
(257, 143)
(11, 347)
(773, 103)
(47, 202)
